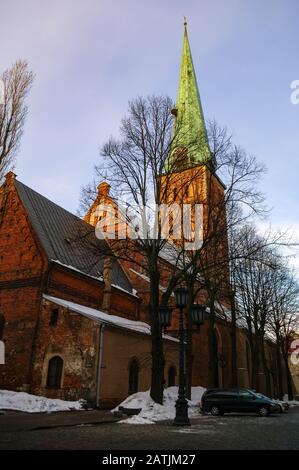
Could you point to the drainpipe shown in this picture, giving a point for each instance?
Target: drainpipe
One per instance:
(107, 277)
(100, 365)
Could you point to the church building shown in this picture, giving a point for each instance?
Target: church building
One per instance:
(75, 325)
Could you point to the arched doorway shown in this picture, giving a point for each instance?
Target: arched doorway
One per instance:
(55, 367)
(133, 376)
(171, 376)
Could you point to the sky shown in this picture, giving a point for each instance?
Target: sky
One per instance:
(91, 56)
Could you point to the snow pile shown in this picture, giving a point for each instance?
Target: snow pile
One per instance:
(106, 318)
(293, 403)
(21, 401)
(152, 412)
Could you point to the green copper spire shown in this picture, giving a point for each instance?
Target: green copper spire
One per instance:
(189, 130)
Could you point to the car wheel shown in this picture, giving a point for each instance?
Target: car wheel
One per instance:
(264, 411)
(216, 411)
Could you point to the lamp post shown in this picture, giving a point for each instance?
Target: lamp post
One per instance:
(181, 405)
(197, 314)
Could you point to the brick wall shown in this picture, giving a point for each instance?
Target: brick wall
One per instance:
(22, 267)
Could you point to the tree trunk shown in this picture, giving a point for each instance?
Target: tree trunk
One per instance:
(157, 382)
(213, 361)
(234, 360)
(265, 367)
(255, 365)
(189, 356)
(279, 371)
(289, 377)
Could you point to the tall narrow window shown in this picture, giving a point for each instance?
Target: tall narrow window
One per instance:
(171, 376)
(133, 377)
(2, 324)
(54, 317)
(54, 372)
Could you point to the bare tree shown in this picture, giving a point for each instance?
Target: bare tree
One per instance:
(228, 203)
(15, 84)
(135, 163)
(141, 170)
(284, 320)
(262, 287)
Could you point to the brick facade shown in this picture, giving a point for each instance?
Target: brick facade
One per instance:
(31, 340)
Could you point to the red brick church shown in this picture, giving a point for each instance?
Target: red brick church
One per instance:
(75, 326)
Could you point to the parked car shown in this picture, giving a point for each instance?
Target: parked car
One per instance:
(283, 405)
(231, 400)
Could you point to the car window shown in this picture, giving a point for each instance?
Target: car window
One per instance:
(210, 396)
(222, 395)
(245, 394)
(229, 395)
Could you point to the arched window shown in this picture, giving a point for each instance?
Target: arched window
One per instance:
(54, 372)
(133, 377)
(171, 376)
(2, 324)
(54, 317)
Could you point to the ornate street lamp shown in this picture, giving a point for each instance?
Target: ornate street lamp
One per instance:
(197, 314)
(181, 297)
(165, 316)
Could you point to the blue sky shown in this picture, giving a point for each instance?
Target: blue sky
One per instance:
(91, 56)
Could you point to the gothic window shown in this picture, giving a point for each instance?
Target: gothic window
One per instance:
(54, 372)
(54, 317)
(2, 324)
(133, 377)
(171, 376)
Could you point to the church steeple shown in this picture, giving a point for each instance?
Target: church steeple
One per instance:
(189, 131)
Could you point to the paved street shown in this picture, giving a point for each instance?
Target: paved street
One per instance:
(227, 432)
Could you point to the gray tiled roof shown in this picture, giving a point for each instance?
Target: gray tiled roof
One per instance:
(66, 238)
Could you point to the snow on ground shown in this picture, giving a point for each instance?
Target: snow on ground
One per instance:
(152, 412)
(293, 403)
(21, 401)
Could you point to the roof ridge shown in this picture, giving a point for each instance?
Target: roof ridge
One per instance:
(52, 202)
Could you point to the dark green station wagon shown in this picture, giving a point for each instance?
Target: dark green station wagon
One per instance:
(224, 400)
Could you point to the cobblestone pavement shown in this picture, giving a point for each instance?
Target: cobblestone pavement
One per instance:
(11, 421)
(279, 431)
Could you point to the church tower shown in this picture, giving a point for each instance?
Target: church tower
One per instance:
(190, 177)
(191, 180)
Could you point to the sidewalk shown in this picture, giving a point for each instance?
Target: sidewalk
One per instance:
(18, 421)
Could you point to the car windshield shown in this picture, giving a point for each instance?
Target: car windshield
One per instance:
(261, 395)
(255, 394)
